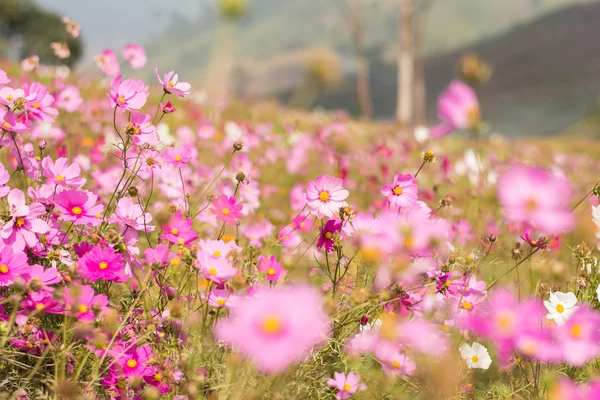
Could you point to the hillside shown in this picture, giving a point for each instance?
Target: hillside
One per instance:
(546, 75)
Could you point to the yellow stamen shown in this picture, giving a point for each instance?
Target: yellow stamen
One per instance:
(467, 306)
(121, 99)
(396, 364)
(221, 302)
(216, 253)
(271, 272)
(212, 271)
(39, 306)
(474, 359)
(83, 308)
(76, 210)
(103, 265)
(20, 221)
(3, 269)
(225, 211)
(60, 178)
(271, 325)
(132, 363)
(347, 387)
(323, 196)
(175, 231)
(560, 308)
(397, 190)
(576, 330)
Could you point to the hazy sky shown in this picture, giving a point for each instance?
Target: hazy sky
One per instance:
(113, 23)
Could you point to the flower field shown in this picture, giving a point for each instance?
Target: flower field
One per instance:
(154, 244)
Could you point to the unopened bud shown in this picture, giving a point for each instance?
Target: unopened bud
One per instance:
(238, 146)
(240, 177)
(446, 201)
(42, 145)
(133, 191)
(364, 320)
(428, 156)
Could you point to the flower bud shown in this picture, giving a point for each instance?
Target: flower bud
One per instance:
(238, 146)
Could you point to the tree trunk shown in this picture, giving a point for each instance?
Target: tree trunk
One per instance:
(405, 101)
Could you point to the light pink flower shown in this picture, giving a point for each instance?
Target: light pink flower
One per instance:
(20, 231)
(346, 385)
(325, 195)
(129, 94)
(108, 63)
(61, 173)
(458, 108)
(273, 269)
(170, 83)
(69, 98)
(135, 54)
(132, 215)
(402, 192)
(12, 265)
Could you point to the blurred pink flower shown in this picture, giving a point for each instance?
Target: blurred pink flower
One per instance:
(170, 83)
(346, 385)
(13, 264)
(532, 195)
(276, 327)
(269, 266)
(82, 303)
(402, 192)
(179, 230)
(108, 63)
(458, 108)
(135, 54)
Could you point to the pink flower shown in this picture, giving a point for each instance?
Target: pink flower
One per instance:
(42, 278)
(402, 192)
(579, 337)
(14, 123)
(79, 207)
(61, 173)
(171, 84)
(205, 130)
(3, 77)
(226, 209)
(277, 327)
(4, 178)
(219, 298)
(132, 215)
(129, 94)
(167, 107)
(141, 130)
(132, 361)
(61, 49)
(27, 65)
(102, 263)
(81, 302)
(108, 63)
(69, 98)
(72, 27)
(273, 269)
(135, 54)
(216, 269)
(20, 231)
(39, 102)
(327, 231)
(346, 385)
(532, 195)
(458, 108)
(325, 195)
(12, 265)
(179, 230)
(178, 156)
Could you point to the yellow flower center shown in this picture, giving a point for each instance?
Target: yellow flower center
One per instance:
(3, 269)
(83, 308)
(175, 231)
(121, 99)
(271, 325)
(227, 238)
(180, 241)
(7, 125)
(221, 302)
(396, 364)
(347, 387)
(560, 308)
(216, 253)
(76, 210)
(103, 265)
(171, 84)
(397, 190)
(328, 235)
(157, 377)
(576, 330)
(60, 178)
(225, 211)
(39, 306)
(323, 196)
(474, 359)
(20, 221)
(271, 272)
(10, 97)
(132, 363)
(177, 158)
(36, 105)
(212, 271)
(531, 204)
(504, 320)
(176, 262)
(467, 306)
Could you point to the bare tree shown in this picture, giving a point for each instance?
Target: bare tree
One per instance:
(406, 64)
(353, 16)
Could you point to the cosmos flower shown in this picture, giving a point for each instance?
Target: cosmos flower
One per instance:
(226, 209)
(402, 192)
(82, 303)
(346, 385)
(107, 61)
(12, 265)
(269, 266)
(20, 231)
(179, 230)
(289, 322)
(79, 207)
(102, 264)
(325, 196)
(560, 306)
(135, 55)
(61, 173)
(132, 215)
(475, 355)
(129, 94)
(170, 83)
(458, 108)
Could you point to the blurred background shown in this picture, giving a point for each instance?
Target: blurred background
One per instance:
(535, 63)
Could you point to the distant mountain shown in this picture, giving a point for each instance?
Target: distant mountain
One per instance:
(546, 75)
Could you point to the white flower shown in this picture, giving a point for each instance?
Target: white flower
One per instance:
(422, 134)
(596, 219)
(561, 306)
(372, 326)
(598, 292)
(476, 356)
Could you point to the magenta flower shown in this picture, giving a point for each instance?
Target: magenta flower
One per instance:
(3, 78)
(277, 327)
(129, 94)
(135, 54)
(216, 269)
(346, 385)
(532, 195)
(178, 156)
(458, 108)
(132, 215)
(107, 61)
(167, 107)
(331, 227)
(132, 361)
(226, 209)
(170, 83)
(325, 195)
(14, 123)
(79, 207)
(42, 278)
(579, 337)
(82, 303)
(61, 173)
(179, 230)
(12, 265)
(102, 263)
(4, 178)
(273, 269)
(402, 192)
(20, 231)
